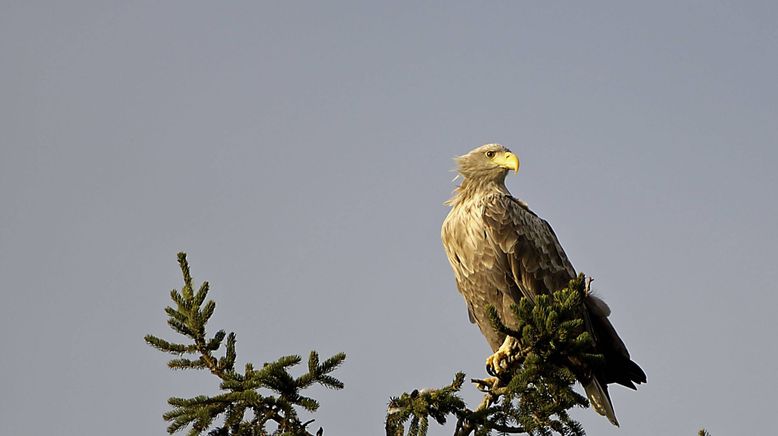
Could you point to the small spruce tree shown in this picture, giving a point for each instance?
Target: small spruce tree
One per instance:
(256, 401)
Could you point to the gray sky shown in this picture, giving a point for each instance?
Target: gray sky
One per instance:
(301, 153)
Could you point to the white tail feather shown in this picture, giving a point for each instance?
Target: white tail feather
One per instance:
(600, 400)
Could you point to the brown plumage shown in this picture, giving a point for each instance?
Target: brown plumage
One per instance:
(500, 250)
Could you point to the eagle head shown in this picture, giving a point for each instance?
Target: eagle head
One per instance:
(487, 162)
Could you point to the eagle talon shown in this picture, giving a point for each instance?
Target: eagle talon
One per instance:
(489, 369)
(502, 359)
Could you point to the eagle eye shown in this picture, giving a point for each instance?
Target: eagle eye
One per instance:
(490, 154)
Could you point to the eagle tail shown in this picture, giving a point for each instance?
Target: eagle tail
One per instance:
(600, 400)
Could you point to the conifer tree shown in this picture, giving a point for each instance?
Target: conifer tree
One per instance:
(256, 401)
(533, 396)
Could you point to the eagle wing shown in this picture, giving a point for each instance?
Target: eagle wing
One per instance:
(538, 264)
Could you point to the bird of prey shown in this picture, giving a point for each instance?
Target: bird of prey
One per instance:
(500, 251)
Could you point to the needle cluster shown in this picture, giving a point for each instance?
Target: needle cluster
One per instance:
(256, 401)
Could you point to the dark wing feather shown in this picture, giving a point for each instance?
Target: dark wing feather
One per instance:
(538, 263)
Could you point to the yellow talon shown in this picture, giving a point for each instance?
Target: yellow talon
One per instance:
(501, 360)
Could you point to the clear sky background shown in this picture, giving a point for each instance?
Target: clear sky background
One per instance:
(301, 154)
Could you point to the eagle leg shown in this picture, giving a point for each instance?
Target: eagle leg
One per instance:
(503, 358)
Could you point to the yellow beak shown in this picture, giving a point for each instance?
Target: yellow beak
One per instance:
(507, 160)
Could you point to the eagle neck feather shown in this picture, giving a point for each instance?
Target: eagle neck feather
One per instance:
(474, 188)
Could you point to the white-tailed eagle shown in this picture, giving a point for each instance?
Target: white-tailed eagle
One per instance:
(500, 251)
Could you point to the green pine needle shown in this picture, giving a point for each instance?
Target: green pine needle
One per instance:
(256, 402)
